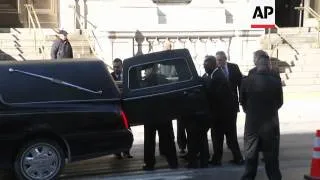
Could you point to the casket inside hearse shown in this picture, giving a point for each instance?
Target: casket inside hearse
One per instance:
(55, 110)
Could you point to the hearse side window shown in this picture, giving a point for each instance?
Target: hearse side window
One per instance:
(159, 73)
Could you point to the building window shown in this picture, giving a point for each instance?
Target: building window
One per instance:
(171, 1)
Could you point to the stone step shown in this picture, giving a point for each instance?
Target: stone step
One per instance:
(304, 68)
(30, 43)
(29, 35)
(302, 81)
(300, 35)
(45, 30)
(37, 57)
(26, 50)
(299, 45)
(287, 54)
(297, 30)
(23, 57)
(301, 88)
(311, 62)
(302, 62)
(301, 75)
(296, 40)
(308, 54)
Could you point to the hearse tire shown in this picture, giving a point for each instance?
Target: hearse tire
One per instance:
(40, 159)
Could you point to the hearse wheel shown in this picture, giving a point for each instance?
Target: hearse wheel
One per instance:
(40, 159)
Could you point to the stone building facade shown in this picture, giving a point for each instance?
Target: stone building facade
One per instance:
(124, 28)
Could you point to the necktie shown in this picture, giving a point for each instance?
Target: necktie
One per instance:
(224, 69)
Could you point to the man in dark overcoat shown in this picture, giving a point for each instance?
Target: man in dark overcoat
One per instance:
(261, 96)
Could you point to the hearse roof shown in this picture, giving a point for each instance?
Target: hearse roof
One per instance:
(55, 80)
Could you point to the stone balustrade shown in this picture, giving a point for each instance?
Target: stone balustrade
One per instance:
(238, 44)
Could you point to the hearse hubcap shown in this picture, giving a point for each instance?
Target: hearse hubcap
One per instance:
(40, 162)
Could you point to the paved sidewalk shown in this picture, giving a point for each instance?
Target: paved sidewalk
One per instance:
(298, 116)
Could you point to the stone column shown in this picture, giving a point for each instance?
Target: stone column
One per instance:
(305, 15)
(67, 15)
(83, 12)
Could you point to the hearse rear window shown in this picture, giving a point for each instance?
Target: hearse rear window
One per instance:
(159, 73)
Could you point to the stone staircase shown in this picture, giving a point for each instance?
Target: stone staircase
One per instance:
(299, 57)
(19, 44)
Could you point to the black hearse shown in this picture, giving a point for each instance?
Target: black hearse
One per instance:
(73, 110)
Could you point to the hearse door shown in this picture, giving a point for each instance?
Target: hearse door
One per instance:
(154, 85)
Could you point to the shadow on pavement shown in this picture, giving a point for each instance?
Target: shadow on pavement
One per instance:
(295, 158)
(295, 148)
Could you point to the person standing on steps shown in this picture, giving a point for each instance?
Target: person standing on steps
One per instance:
(61, 47)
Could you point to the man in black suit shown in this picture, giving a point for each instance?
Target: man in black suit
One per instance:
(261, 97)
(220, 100)
(234, 77)
(163, 126)
(117, 76)
(117, 69)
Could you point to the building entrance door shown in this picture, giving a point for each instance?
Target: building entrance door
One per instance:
(47, 12)
(286, 15)
(9, 14)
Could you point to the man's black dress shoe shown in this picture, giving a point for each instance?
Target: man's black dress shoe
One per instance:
(148, 168)
(215, 163)
(237, 162)
(127, 155)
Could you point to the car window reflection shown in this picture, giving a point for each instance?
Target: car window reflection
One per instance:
(159, 73)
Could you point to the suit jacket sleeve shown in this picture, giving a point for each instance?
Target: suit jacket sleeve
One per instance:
(54, 49)
(237, 77)
(243, 95)
(280, 95)
(71, 51)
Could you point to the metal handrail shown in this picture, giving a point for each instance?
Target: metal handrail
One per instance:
(314, 14)
(33, 18)
(309, 10)
(282, 38)
(92, 39)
